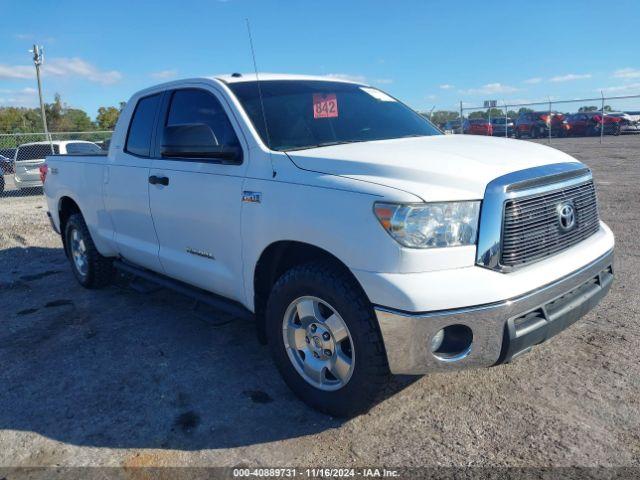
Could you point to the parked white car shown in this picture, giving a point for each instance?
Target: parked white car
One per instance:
(362, 240)
(30, 156)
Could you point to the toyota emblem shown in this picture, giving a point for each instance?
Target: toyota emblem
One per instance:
(566, 216)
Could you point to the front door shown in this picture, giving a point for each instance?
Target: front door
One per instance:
(196, 202)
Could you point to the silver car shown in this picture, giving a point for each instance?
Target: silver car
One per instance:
(29, 157)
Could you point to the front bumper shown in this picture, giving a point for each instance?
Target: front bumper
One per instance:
(501, 331)
(630, 128)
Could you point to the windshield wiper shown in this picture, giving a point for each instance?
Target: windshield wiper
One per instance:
(325, 144)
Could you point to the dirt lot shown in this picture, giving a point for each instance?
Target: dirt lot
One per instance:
(118, 377)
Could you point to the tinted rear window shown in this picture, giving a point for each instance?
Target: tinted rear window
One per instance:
(83, 148)
(141, 127)
(36, 152)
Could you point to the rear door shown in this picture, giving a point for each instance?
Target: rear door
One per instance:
(127, 188)
(196, 211)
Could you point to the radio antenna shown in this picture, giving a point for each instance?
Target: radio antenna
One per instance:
(264, 114)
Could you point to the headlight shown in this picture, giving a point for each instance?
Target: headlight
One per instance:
(430, 225)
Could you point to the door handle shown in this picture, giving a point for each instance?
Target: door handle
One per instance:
(154, 180)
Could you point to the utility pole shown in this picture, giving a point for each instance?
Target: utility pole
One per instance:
(38, 58)
(602, 117)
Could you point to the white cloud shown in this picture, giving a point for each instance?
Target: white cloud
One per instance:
(80, 68)
(533, 80)
(24, 97)
(164, 74)
(62, 67)
(626, 73)
(490, 89)
(446, 86)
(630, 88)
(382, 81)
(13, 72)
(431, 97)
(569, 77)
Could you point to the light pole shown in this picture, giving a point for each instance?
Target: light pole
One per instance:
(38, 58)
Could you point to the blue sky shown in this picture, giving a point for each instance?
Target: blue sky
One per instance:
(425, 52)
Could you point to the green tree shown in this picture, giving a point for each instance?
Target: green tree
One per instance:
(78, 120)
(477, 114)
(495, 112)
(107, 117)
(440, 117)
(524, 110)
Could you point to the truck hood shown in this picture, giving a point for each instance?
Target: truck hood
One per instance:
(435, 168)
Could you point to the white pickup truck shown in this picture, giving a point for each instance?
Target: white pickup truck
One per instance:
(362, 240)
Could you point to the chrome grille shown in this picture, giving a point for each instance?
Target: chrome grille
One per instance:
(531, 230)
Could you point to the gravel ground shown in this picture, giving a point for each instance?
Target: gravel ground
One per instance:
(119, 377)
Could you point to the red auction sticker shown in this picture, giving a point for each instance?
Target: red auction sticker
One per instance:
(325, 106)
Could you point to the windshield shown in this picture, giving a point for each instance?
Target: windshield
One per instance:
(36, 151)
(311, 113)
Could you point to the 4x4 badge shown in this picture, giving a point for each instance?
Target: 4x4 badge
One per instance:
(251, 197)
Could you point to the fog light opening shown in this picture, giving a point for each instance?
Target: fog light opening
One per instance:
(452, 343)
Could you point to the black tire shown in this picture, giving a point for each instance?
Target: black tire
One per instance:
(99, 269)
(1, 183)
(518, 136)
(370, 370)
(533, 132)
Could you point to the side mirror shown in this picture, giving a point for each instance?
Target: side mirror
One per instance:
(196, 140)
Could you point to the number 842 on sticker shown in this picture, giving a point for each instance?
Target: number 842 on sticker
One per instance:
(325, 105)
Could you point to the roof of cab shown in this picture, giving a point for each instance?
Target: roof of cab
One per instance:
(236, 78)
(251, 77)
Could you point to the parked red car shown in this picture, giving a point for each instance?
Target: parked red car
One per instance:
(478, 126)
(537, 124)
(590, 123)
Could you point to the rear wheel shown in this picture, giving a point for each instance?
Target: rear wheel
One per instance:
(90, 268)
(533, 132)
(324, 339)
(1, 182)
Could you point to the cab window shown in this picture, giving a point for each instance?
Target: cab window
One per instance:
(195, 106)
(141, 126)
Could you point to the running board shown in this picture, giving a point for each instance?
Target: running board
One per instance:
(218, 302)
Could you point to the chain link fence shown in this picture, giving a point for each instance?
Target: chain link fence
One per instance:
(603, 117)
(22, 154)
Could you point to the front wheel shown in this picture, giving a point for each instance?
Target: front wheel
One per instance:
(90, 268)
(324, 339)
